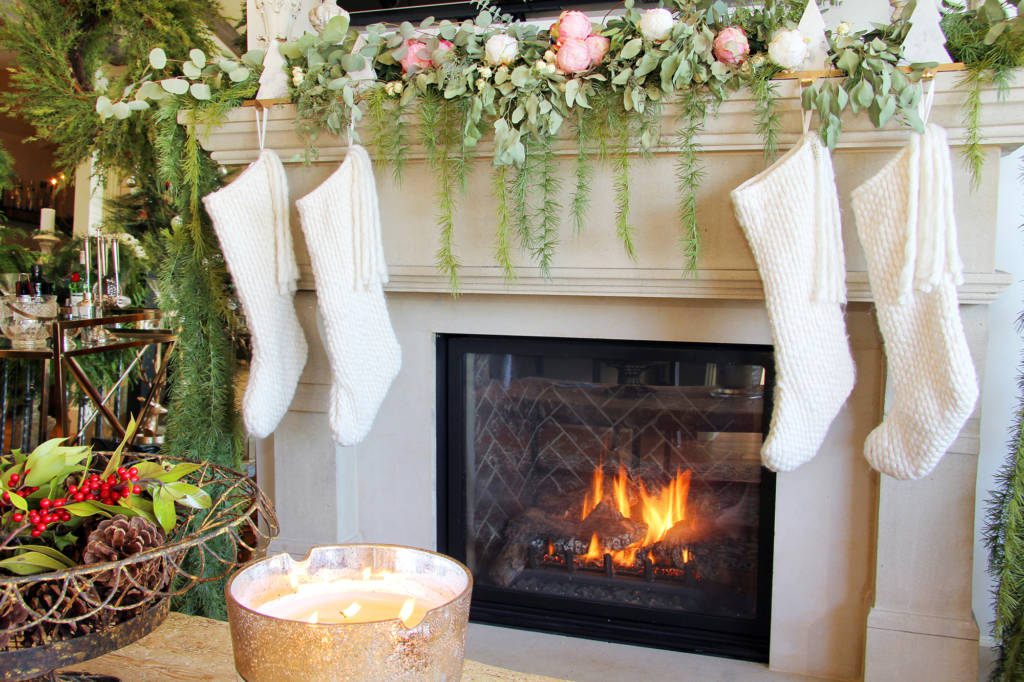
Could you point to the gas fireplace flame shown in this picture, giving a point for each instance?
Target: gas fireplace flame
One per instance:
(658, 509)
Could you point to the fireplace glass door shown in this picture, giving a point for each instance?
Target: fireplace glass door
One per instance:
(610, 490)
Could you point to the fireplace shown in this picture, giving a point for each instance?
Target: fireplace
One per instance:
(610, 490)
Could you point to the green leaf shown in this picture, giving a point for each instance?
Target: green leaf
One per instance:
(253, 58)
(353, 62)
(18, 501)
(337, 83)
(648, 63)
(427, 23)
(668, 69)
(163, 509)
(115, 458)
(239, 75)
(138, 105)
(484, 19)
(50, 552)
(157, 58)
(197, 56)
(46, 460)
(200, 91)
(30, 563)
(85, 508)
(520, 75)
(348, 95)
(631, 49)
(176, 86)
(189, 495)
(622, 77)
(571, 88)
(888, 108)
(228, 65)
(913, 120)
(177, 472)
(808, 97)
(191, 70)
(864, 94)
(447, 31)
(848, 61)
(407, 30)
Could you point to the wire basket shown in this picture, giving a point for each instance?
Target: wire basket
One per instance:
(62, 617)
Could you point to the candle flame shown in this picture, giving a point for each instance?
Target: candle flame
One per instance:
(351, 610)
(366, 573)
(406, 611)
(314, 617)
(294, 579)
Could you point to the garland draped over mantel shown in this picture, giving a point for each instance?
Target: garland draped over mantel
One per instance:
(601, 85)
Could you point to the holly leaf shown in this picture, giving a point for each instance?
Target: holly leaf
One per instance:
(44, 462)
(86, 508)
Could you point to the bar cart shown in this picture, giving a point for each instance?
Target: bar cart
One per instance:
(60, 361)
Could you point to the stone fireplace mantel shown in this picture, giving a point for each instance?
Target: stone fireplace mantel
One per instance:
(872, 576)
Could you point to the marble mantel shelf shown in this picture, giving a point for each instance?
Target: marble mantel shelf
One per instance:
(731, 131)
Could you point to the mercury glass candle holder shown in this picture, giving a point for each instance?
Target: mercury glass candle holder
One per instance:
(295, 620)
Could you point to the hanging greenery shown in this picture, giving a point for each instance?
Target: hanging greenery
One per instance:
(991, 44)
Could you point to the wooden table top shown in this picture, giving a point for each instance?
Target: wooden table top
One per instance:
(194, 648)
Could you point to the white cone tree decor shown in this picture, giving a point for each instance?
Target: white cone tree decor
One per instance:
(926, 41)
(812, 27)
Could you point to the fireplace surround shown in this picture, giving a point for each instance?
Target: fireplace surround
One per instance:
(871, 576)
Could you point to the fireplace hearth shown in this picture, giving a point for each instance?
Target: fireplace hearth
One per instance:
(610, 490)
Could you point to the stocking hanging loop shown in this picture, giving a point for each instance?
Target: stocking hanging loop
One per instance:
(925, 108)
(261, 124)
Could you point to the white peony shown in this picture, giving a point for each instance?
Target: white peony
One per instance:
(788, 48)
(656, 24)
(500, 49)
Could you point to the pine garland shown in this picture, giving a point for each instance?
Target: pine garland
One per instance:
(547, 214)
(690, 174)
(502, 241)
(389, 130)
(767, 121)
(583, 131)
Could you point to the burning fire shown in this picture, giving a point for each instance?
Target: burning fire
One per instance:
(659, 510)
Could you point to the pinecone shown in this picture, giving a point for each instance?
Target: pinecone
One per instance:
(119, 538)
(67, 603)
(12, 614)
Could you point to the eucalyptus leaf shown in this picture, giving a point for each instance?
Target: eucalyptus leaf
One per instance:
(104, 107)
(622, 77)
(157, 58)
(864, 94)
(571, 88)
(484, 19)
(239, 75)
(121, 110)
(353, 62)
(337, 83)
(427, 22)
(631, 49)
(176, 86)
(191, 70)
(520, 75)
(888, 108)
(407, 30)
(253, 58)
(447, 31)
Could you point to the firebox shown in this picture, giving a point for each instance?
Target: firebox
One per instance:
(609, 489)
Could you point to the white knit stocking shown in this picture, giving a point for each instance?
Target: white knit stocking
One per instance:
(790, 215)
(341, 221)
(906, 226)
(250, 217)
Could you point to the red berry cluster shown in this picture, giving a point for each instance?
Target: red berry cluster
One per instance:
(93, 487)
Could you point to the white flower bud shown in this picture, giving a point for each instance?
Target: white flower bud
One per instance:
(298, 75)
(480, 83)
(541, 65)
(399, 86)
(549, 56)
(484, 71)
(843, 28)
(656, 24)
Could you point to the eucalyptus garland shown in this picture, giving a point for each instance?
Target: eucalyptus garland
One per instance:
(603, 85)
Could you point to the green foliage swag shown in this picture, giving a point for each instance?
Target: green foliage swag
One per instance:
(65, 83)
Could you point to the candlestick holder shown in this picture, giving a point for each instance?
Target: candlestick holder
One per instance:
(297, 643)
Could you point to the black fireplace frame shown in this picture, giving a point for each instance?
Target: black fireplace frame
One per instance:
(703, 634)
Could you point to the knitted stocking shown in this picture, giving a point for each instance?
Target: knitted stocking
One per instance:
(341, 221)
(250, 217)
(790, 215)
(906, 226)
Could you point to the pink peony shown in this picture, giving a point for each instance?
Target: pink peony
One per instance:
(415, 56)
(731, 45)
(571, 25)
(573, 56)
(445, 45)
(596, 47)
